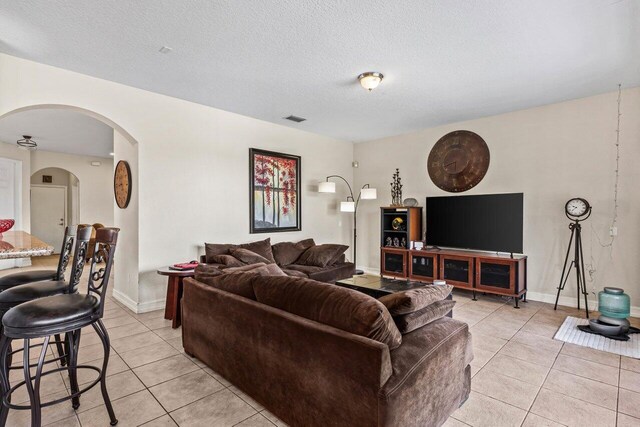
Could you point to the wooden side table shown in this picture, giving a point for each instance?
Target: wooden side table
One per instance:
(174, 293)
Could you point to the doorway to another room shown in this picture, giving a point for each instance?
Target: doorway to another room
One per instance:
(54, 204)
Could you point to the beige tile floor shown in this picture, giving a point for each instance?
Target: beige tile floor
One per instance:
(521, 376)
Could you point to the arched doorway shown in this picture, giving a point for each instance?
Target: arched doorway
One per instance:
(55, 204)
(125, 147)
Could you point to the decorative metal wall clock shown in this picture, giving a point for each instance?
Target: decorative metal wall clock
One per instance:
(458, 161)
(122, 184)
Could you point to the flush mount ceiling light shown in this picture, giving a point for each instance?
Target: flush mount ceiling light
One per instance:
(27, 142)
(370, 80)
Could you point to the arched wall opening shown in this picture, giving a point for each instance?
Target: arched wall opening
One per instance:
(125, 147)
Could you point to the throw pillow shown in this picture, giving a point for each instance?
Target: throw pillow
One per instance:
(267, 270)
(243, 269)
(212, 249)
(414, 299)
(286, 253)
(339, 307)
(321, 255)
(412, 321)
(247, 256)
(261, 247)
(203, 271)
(227, 260)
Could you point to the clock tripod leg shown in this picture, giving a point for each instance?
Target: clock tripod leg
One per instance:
(583, 278)
(565, 271)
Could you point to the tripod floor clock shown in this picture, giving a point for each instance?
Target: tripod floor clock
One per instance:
(576, 210)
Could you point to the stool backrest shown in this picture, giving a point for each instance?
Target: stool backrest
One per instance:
(65, 254)
(104, 250)
(77, 265)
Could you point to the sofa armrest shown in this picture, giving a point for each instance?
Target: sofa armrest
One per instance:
(431, 375)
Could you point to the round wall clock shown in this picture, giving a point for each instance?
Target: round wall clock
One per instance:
(122, 184)
(458, 161)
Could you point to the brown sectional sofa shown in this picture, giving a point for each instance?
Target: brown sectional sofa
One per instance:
(287, 256)
(316, 354)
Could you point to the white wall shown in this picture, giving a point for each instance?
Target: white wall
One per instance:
(193, 165)
(11, 151)
(551, 154)
(96, 182)
(126, 263)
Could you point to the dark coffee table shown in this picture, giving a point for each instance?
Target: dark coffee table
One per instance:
(377, 286)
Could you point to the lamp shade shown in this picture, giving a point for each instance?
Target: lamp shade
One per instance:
(368, 194)
(347, 206)
(327, 187)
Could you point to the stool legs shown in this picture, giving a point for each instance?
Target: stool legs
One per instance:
(104, 337)
(33, 389)
(5, 349)
(60, 350)
(74, 343)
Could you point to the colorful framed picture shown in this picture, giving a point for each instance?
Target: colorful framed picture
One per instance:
(274, 191)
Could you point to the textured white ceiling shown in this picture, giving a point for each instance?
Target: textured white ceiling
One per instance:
(443, 61)
(59, 130)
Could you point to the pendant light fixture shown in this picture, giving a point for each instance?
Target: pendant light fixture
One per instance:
(370, 80)
(27, 142)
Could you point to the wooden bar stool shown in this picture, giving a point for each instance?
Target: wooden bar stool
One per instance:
(60, 314)
(19, 287)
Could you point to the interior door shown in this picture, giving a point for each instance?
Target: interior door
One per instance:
(48, 214)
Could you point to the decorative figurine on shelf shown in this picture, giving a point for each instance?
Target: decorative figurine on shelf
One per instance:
(388, 241)
(397, 224)
(396, 189)
(396, 242)
(403, 242)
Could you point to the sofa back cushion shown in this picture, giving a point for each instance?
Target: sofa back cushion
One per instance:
(286, 253)
(332, 305)
(213, 249)
(322, 255)
(415, 299)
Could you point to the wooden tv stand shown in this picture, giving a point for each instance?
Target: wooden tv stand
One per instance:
(476, 271)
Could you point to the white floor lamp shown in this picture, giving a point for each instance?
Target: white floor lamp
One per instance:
(350, 205)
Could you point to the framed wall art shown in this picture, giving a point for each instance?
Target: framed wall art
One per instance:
(274, 191)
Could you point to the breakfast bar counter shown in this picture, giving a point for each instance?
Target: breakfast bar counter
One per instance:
(20, 244)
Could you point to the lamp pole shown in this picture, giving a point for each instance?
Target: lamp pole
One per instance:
(356, 202)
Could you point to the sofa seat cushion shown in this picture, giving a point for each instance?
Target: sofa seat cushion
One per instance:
(248, 257)
(306, 269)
(339, 307)
(286, 253)
(295, 273)
(415, 299)
(411, 321)
(322, 255)
(334, 272)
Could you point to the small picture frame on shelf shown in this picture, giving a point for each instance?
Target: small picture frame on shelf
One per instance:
(418, 246)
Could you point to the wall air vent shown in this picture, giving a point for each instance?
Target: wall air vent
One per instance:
(295, 119)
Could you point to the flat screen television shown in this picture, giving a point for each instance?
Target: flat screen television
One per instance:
(489, 222)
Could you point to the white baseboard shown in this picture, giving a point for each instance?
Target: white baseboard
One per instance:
(138, 308)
